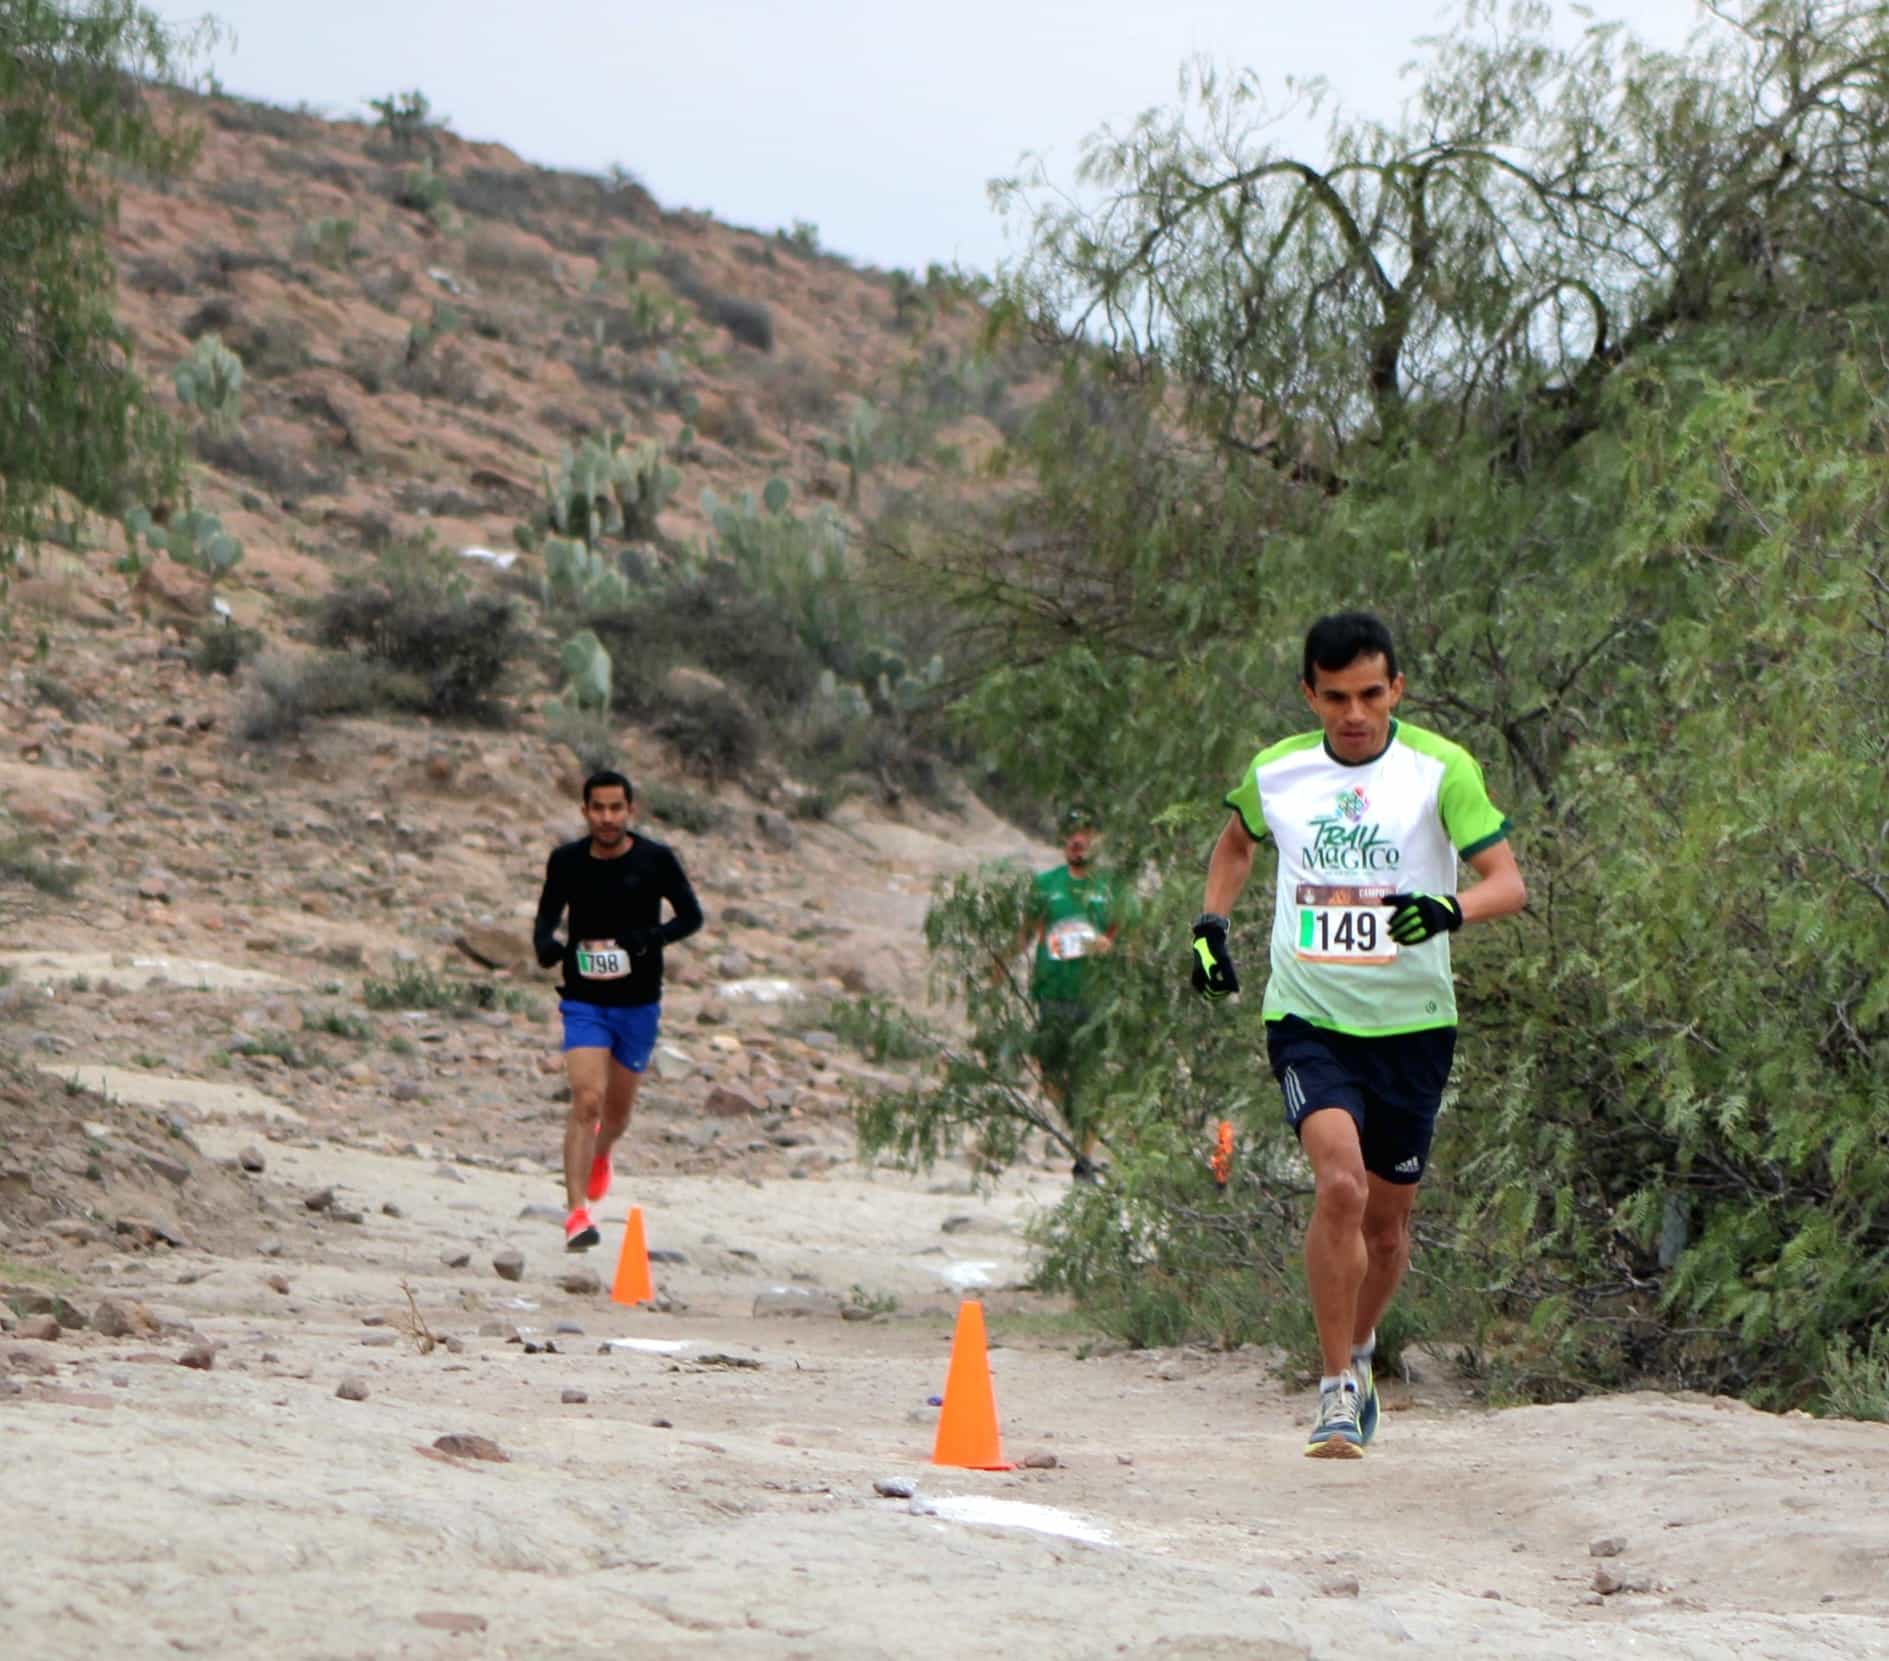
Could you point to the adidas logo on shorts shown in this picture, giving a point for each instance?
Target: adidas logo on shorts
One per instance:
(1408, 1167)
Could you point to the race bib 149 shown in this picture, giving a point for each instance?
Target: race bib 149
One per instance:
(1342, 924)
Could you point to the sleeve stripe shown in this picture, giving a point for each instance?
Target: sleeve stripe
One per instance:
(1499, 834)
(1246, 824)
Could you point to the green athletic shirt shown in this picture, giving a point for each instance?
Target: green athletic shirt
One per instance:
(1348, 834)
(1070, 911)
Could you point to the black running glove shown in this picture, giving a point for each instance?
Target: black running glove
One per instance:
(550, 952)
(1214, 975)
(1421, 917)
(639, 941)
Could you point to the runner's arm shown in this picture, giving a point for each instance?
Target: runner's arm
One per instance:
(682, 901)
(1229, 868)
(544, 931)
(1501, 892)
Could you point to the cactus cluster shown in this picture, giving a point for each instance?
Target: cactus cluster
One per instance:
(579, 578)
(192, 538)
(586, 665)
(210, 380)
(605, 488)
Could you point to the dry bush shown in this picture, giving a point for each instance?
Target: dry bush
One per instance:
(494, 257)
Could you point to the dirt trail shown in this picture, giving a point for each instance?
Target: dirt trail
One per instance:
(698, 1504)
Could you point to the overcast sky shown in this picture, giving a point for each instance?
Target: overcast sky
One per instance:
(879, 122)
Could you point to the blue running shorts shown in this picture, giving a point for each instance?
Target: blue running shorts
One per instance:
(627, 1031)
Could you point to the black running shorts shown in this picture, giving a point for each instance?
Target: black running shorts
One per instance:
(1391, 1087)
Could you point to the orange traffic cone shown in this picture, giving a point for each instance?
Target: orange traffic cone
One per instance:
(1222, 1160)
(967, 1426)
(632, 1284)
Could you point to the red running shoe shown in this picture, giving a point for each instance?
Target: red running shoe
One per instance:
(599, 1184)
(580, 1233)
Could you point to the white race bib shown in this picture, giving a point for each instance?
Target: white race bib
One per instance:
(1343, 925)
(602, 960)
(1071, 938)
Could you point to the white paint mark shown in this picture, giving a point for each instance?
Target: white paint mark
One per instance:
(651, 1346)
(999, 1513)
(966, 1275)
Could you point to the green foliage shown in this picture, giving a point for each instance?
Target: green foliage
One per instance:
(210, 380)
(406, 118)
(577, 578)
(75, 417)
(223, 647)
(22, 862)
(443, 649)
(859, 445)
(331, 242)
(193, 537)
(424, 190)
(1609, 451)
(1856, 1381)
(803, 236)
(414, 986)
(696, 814)
(876, 1029)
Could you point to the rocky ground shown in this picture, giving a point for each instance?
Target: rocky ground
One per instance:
(294, 1363)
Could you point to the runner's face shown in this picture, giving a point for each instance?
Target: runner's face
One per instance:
(608, 813)
(1354, 705)
(1079, 847)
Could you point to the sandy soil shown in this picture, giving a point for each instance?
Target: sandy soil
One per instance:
(698, 1504)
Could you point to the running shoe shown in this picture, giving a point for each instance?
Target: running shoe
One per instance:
(1367, 1397)
(580, 1233)
(599, 1184)
(1336, 1435)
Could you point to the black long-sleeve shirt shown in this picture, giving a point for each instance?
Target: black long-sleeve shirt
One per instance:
(614, 900)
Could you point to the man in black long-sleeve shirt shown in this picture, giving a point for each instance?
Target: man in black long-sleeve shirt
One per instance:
(612, 883)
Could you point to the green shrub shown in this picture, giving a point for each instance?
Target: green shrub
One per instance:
(714, 734)
(696, 814)
(423, 189)
(406, 118)
(413, 986)
(283, 694)
(1856, 1381)
(21, 862)
(457, 646)
(876, 1029)
(590, 735)
(222, 648)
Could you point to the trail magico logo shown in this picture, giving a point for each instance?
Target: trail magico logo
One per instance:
(1344, 841)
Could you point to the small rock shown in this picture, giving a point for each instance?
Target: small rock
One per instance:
(1340, 1586)
(250, 1159)
(342, 1215)
(1038, 1461)
(795, 1300)
(455, 1257)
(665, 1254)
(509, 1265)
(390, 1209)
(448, 1620)
(270, 1248)
(462, 1445)
(662, 1424)
(124, 1318)
(1609, 1580)
(723, 1103)
(956, 1225)
(573, 1398)
(380, 1340)
(352, 1389)
(581, 1283)
(538, 1211)
(320, 1200)
(42, 1328)
(277, 1283)
(571, 1329)
(1606, 1545)
(919, 1506)
(895, 1488)
(200, 1356)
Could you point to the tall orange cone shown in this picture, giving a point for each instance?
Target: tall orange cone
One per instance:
(632, 1284)
(967, 1425)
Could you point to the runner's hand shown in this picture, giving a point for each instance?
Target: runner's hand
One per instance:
(1421, 917)
(551, 954)
(1214, 975)
(639, 941)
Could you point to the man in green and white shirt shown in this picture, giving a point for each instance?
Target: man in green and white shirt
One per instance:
(1369, 816)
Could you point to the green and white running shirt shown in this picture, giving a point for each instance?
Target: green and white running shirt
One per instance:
(1347, 835)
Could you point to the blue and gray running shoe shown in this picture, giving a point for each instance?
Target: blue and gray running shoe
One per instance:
(1367, 1397)
(1335, 1435)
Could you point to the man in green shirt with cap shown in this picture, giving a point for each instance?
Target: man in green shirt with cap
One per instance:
(1073, 916)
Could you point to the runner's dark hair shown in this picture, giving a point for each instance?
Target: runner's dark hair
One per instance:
(603, 779)
(1338, 641)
